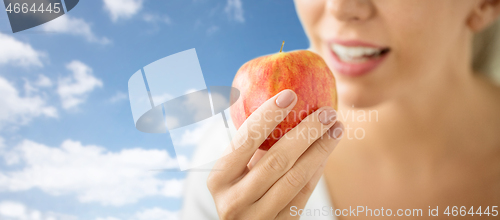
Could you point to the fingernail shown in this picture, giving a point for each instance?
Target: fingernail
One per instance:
(285, 98)
(252, 164)
(336, 131)
(327, 116)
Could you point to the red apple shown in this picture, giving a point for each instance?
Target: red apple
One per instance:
(302, 71)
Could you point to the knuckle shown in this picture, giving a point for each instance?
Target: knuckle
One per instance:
(308, 188)
(296, 177)
(229, 209)
(276, 162)
(212, 183)
(228, 214)
(246, 144)
(322, 147)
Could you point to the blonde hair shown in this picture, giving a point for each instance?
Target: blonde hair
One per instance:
(486, 52)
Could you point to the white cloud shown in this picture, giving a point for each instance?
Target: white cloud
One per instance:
(2, 144)
(234, 9)
(122, 9)
(107, 218)
(195, 135)
(150, 214)
(19, 110)
(156, 214)
(17, 53)
(10, 210)
(43, 81)
(14, 210)
(73, 90)
(34, 87)
(212, 29)
(161, 98)
(154, 18)
(172, 188)
(91, 172)
(74, 26)
(119, 96)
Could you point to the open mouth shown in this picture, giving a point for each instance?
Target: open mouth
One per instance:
(358, 54)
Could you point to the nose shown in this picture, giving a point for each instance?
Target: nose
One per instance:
(351, 10)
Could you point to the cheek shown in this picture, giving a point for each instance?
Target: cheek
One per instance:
(420, 34)
(425, 26)
(310, 14)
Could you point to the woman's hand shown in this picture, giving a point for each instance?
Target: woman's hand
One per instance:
(253, 184)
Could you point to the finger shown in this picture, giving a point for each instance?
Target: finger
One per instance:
(251, 135)
(288, 186)
(255, 158)
(281, 157)
(305, 193)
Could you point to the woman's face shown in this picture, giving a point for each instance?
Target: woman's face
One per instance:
(388, 49)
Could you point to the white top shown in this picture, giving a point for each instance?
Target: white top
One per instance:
(199, 204)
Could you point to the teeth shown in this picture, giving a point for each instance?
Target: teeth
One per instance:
(355, 54)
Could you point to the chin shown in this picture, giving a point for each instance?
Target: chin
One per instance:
(359, 96)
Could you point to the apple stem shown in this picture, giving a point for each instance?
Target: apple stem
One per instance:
(282, 46)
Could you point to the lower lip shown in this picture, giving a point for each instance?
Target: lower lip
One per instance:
(356, 69)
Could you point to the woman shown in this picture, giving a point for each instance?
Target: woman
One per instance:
(433, 144)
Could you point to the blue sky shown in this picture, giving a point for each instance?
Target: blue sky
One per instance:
(68, 145)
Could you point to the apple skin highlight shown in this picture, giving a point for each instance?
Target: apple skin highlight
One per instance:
(302, 71)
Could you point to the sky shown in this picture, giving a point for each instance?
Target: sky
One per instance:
(68, 145)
